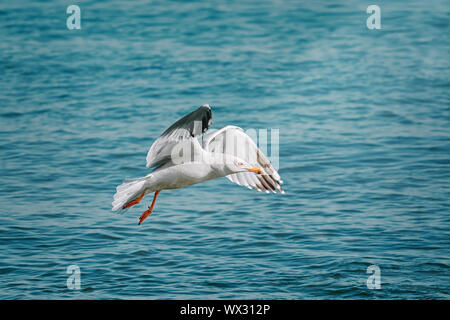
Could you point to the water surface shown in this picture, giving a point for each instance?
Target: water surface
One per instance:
(364, 149)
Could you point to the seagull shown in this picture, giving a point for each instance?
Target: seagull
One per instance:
(179, 160)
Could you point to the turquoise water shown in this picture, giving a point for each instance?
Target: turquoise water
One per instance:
(364, 149)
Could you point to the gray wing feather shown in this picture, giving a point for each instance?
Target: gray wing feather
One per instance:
(191, 125)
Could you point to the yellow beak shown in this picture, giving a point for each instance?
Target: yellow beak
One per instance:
(255, 170)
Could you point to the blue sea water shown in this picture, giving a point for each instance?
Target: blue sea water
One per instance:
(364, 149)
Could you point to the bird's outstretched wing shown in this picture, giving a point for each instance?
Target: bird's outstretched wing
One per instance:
(233, 140)
(191, 125)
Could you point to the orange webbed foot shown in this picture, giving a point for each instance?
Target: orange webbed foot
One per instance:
(145, 215)
(150, 209)
(135, 201)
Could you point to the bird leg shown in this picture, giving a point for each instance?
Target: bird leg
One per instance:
(150, 209)
(135, 201)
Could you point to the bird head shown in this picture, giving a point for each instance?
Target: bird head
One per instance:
(239, 165)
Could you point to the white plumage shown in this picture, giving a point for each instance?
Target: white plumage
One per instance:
(181, 161)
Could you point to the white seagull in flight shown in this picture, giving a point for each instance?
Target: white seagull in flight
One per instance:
(181, 161)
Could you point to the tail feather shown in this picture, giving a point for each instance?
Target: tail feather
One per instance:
(128, 191)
